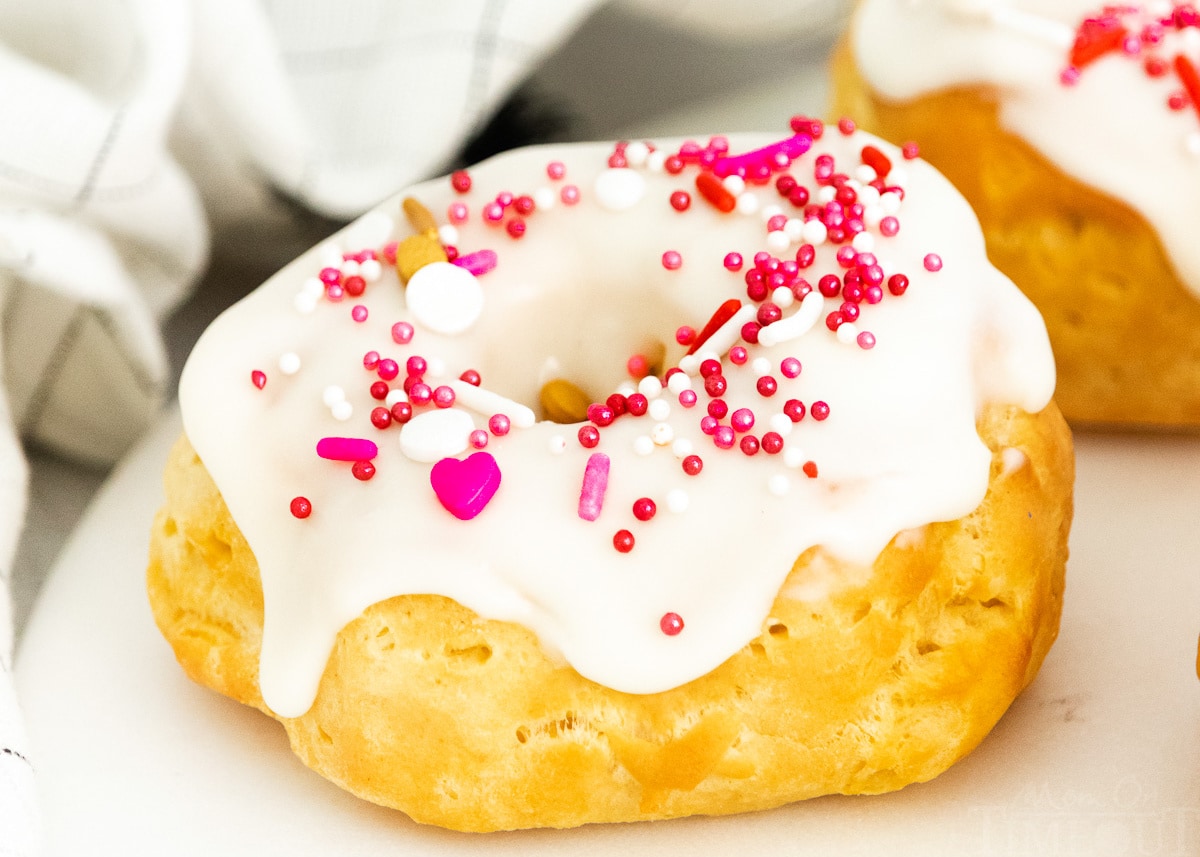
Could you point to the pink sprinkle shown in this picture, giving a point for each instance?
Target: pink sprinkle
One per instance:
(330, 276)
(733, 261)
(846, 126)
(371, 360)
(742, 420)
(389, 252)
(738, 355)
(443, 396)
(458, 212)
(595, 484)
(569, 194)
(671, 260)
(493, 212)
(1069, 76)
(346, 449)
(671, 624)
(889, 226)
(685, 335)
(335, 293)
(387, 369)
(479, 262)
(556, 170)
(359, 313)
(687, 398)
(866, 340)
(478, 439)
(402, 332)
(258, 378)
(790, 367)
(499, 424)
(789, 148)
(933, 262)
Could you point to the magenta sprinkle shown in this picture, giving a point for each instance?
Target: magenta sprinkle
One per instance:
(790, 148)
(595, 484)
(346, 449)
(933, 262)
(479, 262)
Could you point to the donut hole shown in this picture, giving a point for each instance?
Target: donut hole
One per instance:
(585, 336)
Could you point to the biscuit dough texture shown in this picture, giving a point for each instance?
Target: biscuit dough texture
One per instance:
(863, 680)
(1124, 328)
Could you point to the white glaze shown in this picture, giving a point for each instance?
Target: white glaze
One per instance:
(583, 290)
(1111, 130)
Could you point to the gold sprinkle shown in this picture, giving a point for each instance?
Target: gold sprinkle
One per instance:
(563, 402)
(419, 216)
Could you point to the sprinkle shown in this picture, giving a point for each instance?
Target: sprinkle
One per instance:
(436, 434)
(444, 297)
(464, 488)
(359, 313)
(795, 325)
(569, 194)
(623, 541)
(671, 623)
(258, 378)
(810, 469)
(662, 434)
(619, 189)
(402, 332)
(342, 411)
(671, 260)
(715, 193)
(589, 436)
(460, 180)
(363, 471)
(595, 483)
(819, 410)
(1191, 80)
(301, 507)
(486, 402)
(346, 449)
(681, 200)
(866, 340)
(692, 465)
(773, 155)
(479, 262)
(723, 313)
(643, 445)
(933, 262)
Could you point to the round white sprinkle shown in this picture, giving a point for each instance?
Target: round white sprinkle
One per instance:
(332, 395)
(444, 297)
(370, 270)
(872, 215)
(643, 444)
(747, 203)
(898, 177)
(619, 189)
(678, 500)
(312, 286)
(865, 173)
(434, 435)
(679, 382)
(656, 161)
(662, 434)
(544, 198)
(558, 444)
(682, 447)
(815, 232)
(868, 196)
(779, 485)
(636, 153)
(761, 366)
(350, 268)
(847, 333)
(1192, 143)
(304, 303)
(794, 456)
(891, 202)
(828, 193)
(342, 411)
(794, 228)
(650, 387)
(864, 242)
(395, 396)
(778, 241)
(289, 363)
(660, 409)
(448, 233)
(781, 424)
(783, 297)
(627, 388)
(735, 184)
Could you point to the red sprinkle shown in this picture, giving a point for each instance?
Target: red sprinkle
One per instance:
(810, 469)
(460, 180)
(692, 465)
(724, 312)
(300, 507)
(623, 541)
(671, 624)
(681, 200)
(258, 378)
(715, 192)
(876, 160)
(1191, 80)
(644, 508)
(363, 470)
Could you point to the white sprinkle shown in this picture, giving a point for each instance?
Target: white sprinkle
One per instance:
(350, 268)
(304, 303)
(735, 184)
(619, 189)
(650, 387)
(678, 500)
(444, 297)
(760, 366)
(727, 334)
(448, 233)
(747, 203)
(312, 286)
(847, 333)
(783, 297)
(342, 411)
(544, 198)
(795, 325)
(682, 447)
(898, 177)
(662, 434)
(864, 242)
(643, 444)
(437, 434)
(627, 388)
(486, 402)
(781, 424)
(778, 241)
(779, 485)
(794, 228)
(656, 161)
(815, 232)
(827, 194)
(370, 270)
(660, 409)
(865, 174)
(794, 456)
(868, 196)
(891, 202)
(636, 153)
(332, 395)
(1192, 143)
(872, 215)
(395, 396)
(289, 363)
(558, 444)
(679, 382)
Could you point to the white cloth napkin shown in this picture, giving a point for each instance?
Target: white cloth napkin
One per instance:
(131, 127)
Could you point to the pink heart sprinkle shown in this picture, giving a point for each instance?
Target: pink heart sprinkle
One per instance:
(465, 487)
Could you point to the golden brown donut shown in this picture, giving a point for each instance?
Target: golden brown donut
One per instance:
(1124, 326)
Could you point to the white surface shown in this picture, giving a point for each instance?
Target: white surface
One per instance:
(1101, 757)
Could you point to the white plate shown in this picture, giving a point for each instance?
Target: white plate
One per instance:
(1100, 757)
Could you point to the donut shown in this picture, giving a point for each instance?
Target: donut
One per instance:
(614, 482)
(1071, 130)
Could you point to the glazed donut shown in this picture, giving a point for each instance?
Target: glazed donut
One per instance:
(631, 484)
(1071, 131)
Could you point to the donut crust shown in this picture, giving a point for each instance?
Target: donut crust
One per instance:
(1124, 328)
(466, 723)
